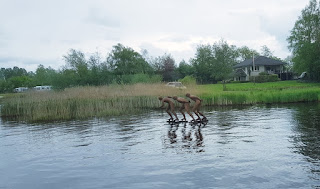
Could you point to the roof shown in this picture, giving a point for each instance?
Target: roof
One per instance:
(240, 73)
(259, 61)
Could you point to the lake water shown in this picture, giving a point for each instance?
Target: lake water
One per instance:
(248, 147)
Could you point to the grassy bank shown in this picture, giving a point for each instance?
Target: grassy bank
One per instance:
(84, 102)
(250, 93)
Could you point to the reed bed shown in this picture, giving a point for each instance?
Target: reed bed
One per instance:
(84, 102)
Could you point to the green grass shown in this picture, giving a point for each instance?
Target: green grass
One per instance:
(254, 93)
(84, 102)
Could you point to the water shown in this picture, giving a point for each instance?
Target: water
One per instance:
(248, 147)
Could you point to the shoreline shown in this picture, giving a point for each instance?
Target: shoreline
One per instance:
(86, 102)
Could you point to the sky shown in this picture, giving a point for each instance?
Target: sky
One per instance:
(38, 32)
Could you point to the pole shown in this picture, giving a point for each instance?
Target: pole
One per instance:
(253, 68)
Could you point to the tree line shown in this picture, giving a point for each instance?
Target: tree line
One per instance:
(211, 62)
(124, 65)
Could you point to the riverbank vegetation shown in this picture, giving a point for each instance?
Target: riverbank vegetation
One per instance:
(84, 102)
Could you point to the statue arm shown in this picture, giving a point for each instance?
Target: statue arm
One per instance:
(162, 104)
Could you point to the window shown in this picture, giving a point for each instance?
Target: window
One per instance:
(255, 68)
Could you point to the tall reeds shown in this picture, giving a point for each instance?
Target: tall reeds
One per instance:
(84, 102)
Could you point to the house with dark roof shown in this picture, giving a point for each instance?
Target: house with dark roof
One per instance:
(256, 65)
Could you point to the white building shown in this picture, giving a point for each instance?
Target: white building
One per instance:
(254, 66)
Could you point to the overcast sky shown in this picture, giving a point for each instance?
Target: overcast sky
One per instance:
(34, 32)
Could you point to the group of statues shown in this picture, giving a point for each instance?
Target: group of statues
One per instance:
(185, 105)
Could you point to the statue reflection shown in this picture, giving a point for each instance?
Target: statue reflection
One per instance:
(307, 130)
(189, 139)
(172, 133)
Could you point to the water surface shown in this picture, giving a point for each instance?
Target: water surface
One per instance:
(248, 147)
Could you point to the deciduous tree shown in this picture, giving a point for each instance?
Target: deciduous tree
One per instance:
(304, 41)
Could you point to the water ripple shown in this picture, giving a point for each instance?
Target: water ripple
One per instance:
(245, 147)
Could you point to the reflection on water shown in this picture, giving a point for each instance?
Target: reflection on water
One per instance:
(240, 147)
(185, 136)
(306, 140)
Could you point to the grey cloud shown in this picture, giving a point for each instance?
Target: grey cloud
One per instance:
(102, 18)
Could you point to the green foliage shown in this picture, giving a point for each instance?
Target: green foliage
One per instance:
(246, 53)
(136, 78)
(188, 80)
(7, 73)
(263, 73)
(44, 76)
(155, 78)
(304, 41)
(185, 69)
(264, 78)
(124, 60)
(11, 78)
(143, 78)
(165, 66)
(20, 81)
(214, 63)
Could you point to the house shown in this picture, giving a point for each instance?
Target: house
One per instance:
(254, 66)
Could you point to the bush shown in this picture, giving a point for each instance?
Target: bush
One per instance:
(155, 79)
(140, 78)
(263, 73)
(188, 80)
(264, 78)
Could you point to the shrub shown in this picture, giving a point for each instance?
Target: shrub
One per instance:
(140, 78)
(155, 79)
(264, 78)
(263, 73)
(188, 80)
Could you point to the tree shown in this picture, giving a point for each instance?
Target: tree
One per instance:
(77, 62)
(95, 66)
(7, 73)
(265, 51)
(202, 63)
(185, 69)
(226, 57)
(246, 53)
(65, 78)
(124, 61)
(165, 66)
(19, 81)
(214, 63)
(44, 76)
(168, 68)
(304, 41)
